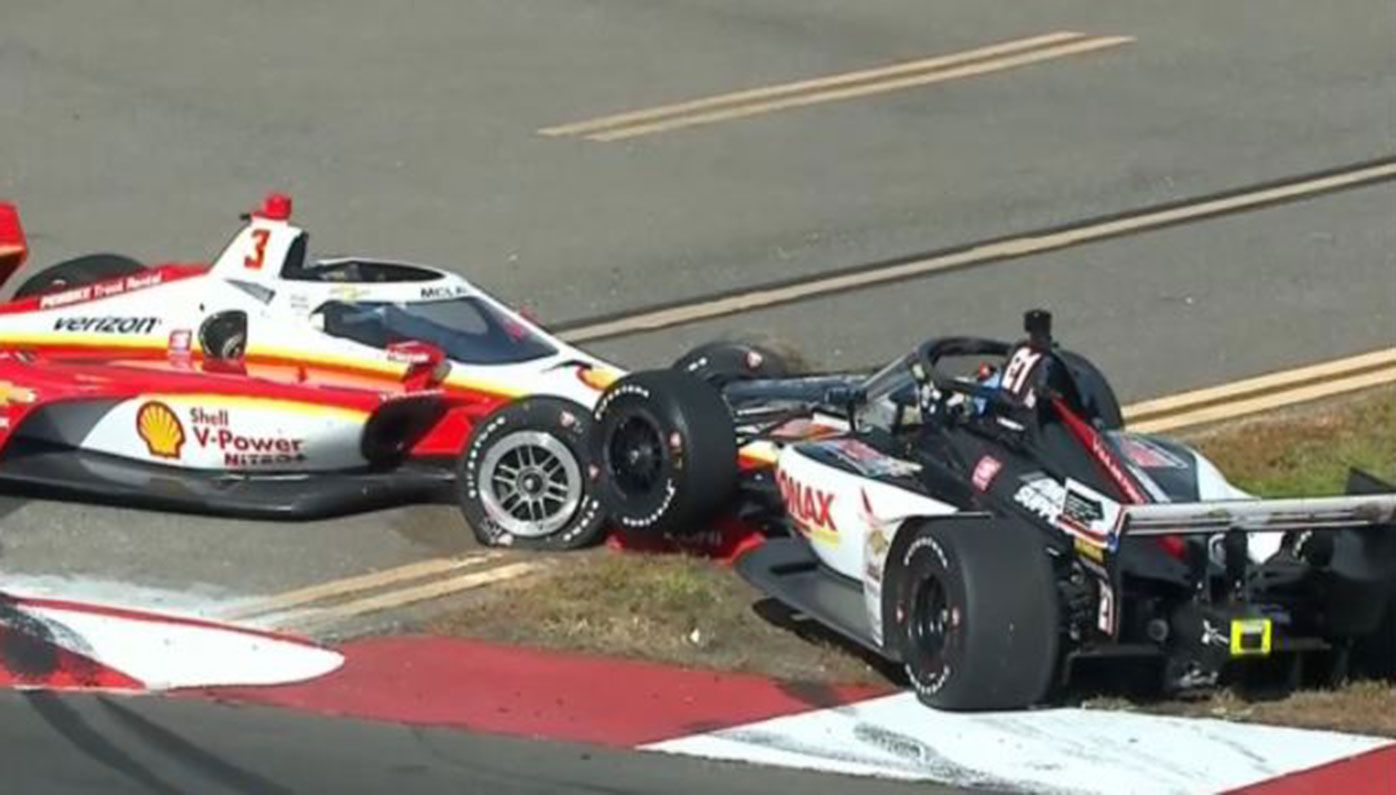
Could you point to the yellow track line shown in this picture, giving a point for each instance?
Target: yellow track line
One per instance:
(408, 596)
(349, 585)
(1011, 248)
(802, 86)
(832, 95)
(1247, 404)
(1268, 383)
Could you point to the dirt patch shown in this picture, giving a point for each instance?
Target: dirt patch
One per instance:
(693, 612)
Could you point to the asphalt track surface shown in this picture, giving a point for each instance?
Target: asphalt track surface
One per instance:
(144, 127)
(64, 744)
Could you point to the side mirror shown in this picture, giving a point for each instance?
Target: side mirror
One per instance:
(427, 365)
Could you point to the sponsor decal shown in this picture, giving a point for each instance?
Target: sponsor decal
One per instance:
(1041, 496)
(181, 340)
(1144, 453)
(1117, 474)
(1080, 510)
(1073, 508)
(89, 292)
(107, 324)
(159, 427)
(11, 394)
(985, 471)
(1089, 551)
(876, 544)
(1106, 614)
(448, 291)
(811, 508)
(869, 460)
(213, 429)
(347, 292)
(1017, 380)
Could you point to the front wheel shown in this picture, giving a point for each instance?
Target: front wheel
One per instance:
(667, 451)
(973, 610)
(524, 480)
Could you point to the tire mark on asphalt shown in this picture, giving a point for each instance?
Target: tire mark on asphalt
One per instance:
(181, 750)
(72, 726)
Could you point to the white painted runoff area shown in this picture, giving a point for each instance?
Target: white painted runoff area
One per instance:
(1040, 751)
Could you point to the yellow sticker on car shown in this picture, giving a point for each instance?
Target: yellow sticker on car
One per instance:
(1250, 637)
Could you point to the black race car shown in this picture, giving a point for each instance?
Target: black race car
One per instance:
(990, 527)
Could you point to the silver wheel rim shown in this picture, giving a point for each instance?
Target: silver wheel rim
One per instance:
(530, 484)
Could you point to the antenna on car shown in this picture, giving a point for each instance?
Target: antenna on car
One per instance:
(1038, 324)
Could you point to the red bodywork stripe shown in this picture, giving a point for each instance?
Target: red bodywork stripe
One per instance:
(167, 273)
(1111, 467)
(13, 247)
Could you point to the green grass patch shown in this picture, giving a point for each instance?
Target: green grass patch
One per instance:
(1309, 452)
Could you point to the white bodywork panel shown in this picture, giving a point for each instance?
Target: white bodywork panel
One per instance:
(211, 432)
(151, 310)
(850, 520)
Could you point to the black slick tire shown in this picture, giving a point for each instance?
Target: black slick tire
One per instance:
(971, 604)
(667, 452)
(723, 361)
(78, 272)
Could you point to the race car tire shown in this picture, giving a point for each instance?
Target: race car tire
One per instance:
(1098, 398)
(667, 452)
(223, 337)
(524, 479)
(78, 272)
(1376, 653)
(972, 608)
(723, 361)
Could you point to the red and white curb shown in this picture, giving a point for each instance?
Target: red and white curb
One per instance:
(859, 731)
(1058, 750)
(57, 644)
(54, 644)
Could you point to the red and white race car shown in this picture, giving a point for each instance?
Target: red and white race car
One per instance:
(273, 384)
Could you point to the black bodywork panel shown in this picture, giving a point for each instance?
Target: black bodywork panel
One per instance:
(787, 569)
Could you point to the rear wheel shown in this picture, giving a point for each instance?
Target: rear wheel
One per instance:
(972, 608)
(524, 481)
(1375, 655)
(78, 272)
(667, 451)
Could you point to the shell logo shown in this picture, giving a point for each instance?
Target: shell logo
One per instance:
(160, 429)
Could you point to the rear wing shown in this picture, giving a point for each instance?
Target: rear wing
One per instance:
(1274, 516)
(13, 247)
